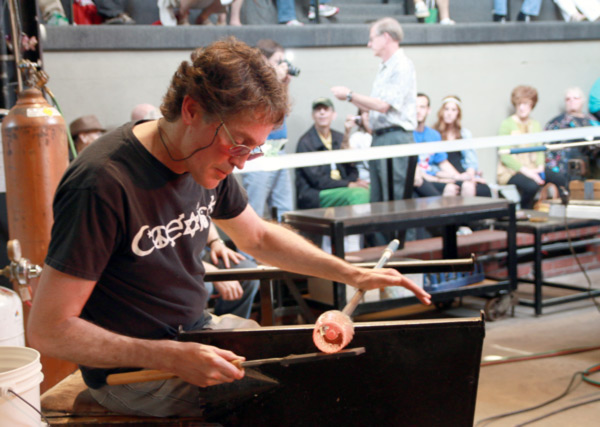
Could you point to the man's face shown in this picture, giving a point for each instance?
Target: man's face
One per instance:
(323, 116)
(574, 102)
(212, 165)
(377, 42)
(523, 109)
(84, 139)
(422, 109)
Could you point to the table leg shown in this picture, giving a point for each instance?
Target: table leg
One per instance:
(511, 236)
(337, 248)
(266, 302)
(450, 244)
(537, 272)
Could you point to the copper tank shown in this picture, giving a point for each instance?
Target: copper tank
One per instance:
(34, 138)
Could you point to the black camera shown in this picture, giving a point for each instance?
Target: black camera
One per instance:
(292, 71)
(358, 120)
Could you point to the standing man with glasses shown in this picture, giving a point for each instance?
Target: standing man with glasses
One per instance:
(392, 107)
(131, 215)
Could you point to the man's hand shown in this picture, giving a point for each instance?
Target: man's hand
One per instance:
(282, 72)
(220, 250)
(350, 122)
(340, 92)
(203, 365)
(373, 279)
(230, 290)
(419, 176)
(360, 183)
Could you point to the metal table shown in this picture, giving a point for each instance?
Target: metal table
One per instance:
(448, 212)
(538, 230)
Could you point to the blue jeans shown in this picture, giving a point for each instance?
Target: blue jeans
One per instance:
(273, 188)
(529, 7)
(243, 306)
(286, 11)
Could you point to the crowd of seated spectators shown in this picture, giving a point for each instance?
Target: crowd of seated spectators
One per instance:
(227, 12)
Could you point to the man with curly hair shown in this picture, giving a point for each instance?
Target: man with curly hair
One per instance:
(132, 214)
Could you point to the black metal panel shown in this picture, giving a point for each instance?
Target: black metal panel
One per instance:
(413, 373)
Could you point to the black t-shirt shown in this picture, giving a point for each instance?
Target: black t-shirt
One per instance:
(125, 220)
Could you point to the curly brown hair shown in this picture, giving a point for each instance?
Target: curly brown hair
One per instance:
(524, 93)
(226, 78)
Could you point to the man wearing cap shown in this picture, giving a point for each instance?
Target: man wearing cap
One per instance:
(391, 105)
(85, 130)
(332, 184)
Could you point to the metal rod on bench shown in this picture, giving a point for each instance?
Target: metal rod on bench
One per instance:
(412, 266)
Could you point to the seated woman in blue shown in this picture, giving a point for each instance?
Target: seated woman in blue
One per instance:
(465, 164)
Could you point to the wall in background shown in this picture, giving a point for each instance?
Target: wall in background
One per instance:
(110, 83)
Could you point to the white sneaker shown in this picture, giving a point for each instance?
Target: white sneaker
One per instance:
(325, 10)
(463, 231)
(421, 11)
(294, 23)
(447, 21)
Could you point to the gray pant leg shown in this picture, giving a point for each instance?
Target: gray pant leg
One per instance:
(110, 8)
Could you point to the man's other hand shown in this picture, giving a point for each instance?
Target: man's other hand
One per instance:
(230, 290)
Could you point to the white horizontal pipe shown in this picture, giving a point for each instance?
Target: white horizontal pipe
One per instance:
(300, 160)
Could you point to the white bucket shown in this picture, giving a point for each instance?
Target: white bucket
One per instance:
(21, 372)
(11, 318)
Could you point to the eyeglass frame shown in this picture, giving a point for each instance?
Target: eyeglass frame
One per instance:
(239, 150)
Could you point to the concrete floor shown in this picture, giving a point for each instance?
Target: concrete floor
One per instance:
(518, 385)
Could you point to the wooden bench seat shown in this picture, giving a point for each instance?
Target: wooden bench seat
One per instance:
(70, 403)
(480, 242)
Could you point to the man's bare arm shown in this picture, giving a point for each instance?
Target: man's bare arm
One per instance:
(55, 329)
(364, 102)
(281, 247)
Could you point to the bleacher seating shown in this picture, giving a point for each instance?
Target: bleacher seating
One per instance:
(263, 12)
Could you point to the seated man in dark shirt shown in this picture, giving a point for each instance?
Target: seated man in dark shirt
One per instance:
(132, 214)
(332, 184)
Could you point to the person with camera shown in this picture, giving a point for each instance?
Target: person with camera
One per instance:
(357, 136)
(272, 189)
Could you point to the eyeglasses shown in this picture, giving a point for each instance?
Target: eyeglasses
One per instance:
(240, 150)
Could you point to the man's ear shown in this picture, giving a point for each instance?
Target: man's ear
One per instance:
(190, 110)
(334, 115)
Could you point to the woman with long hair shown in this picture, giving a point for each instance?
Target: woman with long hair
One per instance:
(465, 166)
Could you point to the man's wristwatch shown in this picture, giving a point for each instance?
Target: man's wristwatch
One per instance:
(349, 96)
(209, 244)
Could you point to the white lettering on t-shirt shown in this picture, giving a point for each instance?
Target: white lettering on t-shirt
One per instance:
(161, 236)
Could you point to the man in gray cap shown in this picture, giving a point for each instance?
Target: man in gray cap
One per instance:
(85, 130)
(332, 184)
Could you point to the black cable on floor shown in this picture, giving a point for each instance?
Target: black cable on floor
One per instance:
(541, 405)
(572, 249)
(566, 408)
